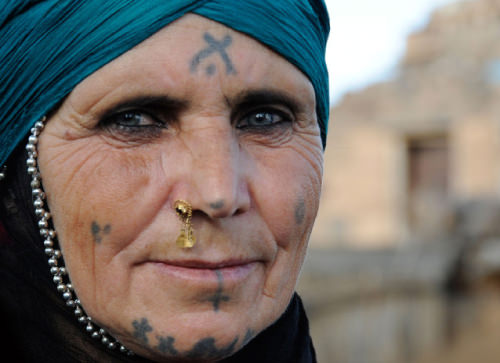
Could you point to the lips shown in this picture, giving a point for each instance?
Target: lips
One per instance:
(232, 272)
(207, 265)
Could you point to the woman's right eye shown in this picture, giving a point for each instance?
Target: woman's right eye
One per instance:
(133, 119)
(133, 122)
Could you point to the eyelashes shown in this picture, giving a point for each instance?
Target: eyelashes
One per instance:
(133, 121)
(140, 123)
(140, 118)
(263, 118)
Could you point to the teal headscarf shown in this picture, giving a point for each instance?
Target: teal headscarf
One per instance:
(47, 47)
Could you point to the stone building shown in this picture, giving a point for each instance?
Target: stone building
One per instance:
(405, 258)
(405, 155)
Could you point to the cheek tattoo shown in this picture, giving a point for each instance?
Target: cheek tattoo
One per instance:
(98, 232)
(300, 211)
(213, 46)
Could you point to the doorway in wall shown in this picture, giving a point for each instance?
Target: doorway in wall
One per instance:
(428, 184)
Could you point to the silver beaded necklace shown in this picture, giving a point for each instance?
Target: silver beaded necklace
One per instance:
(56, 261)
(3, 171)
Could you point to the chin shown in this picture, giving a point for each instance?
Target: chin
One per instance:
(203, 335)
(200, 342)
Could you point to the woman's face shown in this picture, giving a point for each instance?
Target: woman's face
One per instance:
(201, 113)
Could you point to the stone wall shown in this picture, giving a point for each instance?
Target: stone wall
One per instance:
(405, 258)
(447, 86)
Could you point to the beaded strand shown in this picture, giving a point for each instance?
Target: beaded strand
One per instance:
(56, 261)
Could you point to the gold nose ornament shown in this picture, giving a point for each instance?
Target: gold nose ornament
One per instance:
(185, 212)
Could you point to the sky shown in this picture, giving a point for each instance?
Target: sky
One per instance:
(368, 38)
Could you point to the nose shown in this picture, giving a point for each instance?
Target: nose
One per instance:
(219, 173)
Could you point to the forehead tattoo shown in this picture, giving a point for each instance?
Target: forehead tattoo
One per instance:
(213, 46)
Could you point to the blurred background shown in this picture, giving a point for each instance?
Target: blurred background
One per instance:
(404, 263)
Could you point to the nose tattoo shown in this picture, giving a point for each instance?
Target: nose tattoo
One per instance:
(185, 212)
(217, 204)
(214, 46)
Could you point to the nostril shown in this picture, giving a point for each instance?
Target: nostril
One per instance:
(239, 211)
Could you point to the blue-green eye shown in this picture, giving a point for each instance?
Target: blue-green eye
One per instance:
(131, 119)
(262, 119)
(132, 124)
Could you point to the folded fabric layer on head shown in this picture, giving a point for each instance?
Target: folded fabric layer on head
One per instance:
(48, 47)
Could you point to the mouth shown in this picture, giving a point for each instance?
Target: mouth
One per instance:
(207, 265)
(208, 273)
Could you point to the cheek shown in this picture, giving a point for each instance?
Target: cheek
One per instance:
(289, 212)
(96, 197)
(91, 179)
(290, 207)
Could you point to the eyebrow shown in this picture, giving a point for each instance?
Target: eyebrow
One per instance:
(259, 97)
(244, 99)
(161, 102)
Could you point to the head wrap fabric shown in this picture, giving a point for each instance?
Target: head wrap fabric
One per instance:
(47, 47)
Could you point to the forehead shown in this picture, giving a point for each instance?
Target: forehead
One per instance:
(193, 35)
(191, 54)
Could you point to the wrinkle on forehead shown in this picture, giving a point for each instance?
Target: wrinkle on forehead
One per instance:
(153, 69)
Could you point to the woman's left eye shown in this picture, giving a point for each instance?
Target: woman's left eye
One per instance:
(262, 119)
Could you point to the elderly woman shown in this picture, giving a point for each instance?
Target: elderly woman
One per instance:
(161, 171)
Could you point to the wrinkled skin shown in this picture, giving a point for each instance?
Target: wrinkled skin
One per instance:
(234, 132)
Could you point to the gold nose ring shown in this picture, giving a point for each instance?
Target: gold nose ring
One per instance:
(185, 212)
